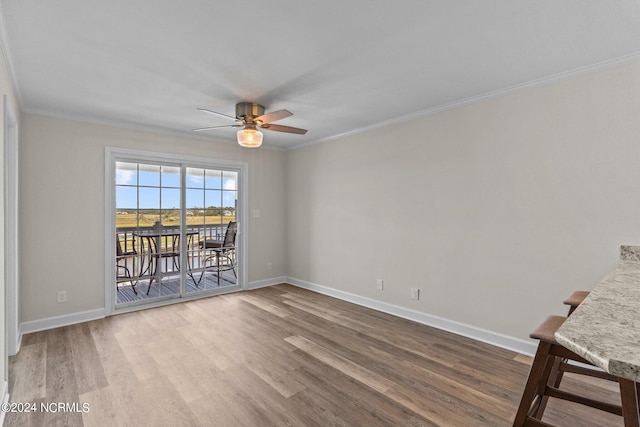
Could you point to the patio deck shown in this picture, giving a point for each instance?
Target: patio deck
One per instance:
(141, 253)
(171, 286)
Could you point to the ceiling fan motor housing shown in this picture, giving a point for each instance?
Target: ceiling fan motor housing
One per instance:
(248, 110)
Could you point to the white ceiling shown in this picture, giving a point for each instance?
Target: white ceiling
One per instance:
(339, 67)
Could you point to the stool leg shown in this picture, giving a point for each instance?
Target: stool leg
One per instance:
(540, 362)
(629, 397)
(555, 377)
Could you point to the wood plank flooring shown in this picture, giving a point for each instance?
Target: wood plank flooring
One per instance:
(276, 356)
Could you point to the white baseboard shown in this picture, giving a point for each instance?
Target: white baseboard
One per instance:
(266, 282)
(14, 348)
(494, 338)
(19, 341)
(58, 321)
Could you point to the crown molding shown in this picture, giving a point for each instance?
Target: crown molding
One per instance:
(565, 75)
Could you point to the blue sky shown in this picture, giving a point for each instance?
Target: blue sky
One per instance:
(155, 186)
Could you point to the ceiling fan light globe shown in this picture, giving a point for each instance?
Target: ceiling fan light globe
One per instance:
(250, 138)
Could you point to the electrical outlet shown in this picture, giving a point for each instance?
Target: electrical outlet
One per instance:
(380, 284)
(62, 296)
(269, 266)
(415, 293)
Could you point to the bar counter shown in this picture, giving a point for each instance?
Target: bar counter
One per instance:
(605, 328)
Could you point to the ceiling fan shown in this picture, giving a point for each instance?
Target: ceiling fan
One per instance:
(250, 117)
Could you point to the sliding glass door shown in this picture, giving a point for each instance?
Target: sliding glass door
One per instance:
(212, 202)
(175, 229)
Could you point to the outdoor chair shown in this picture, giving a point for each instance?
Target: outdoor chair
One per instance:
(121, 257)
(221, 250)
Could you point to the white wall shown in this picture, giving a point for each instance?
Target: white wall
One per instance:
(62, 208)
(497, 211)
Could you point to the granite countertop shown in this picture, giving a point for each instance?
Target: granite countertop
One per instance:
(605, 328)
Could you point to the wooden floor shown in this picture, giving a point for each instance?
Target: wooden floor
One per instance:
(277, 356)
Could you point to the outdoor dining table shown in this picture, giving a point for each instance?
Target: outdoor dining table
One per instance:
(152, 247)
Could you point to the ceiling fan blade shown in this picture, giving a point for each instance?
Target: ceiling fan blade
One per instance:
(215, 127)
(273, 116)
(280, 128)
(216, 113)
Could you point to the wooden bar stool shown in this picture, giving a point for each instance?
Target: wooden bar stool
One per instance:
(541, 383)
(575, 299)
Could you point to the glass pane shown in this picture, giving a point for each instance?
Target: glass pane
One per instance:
(195, 178)
(170, 198)
(149, 175)
(195, 199)
(213, 179)
(229, 203)
(170, 217)
(148, 217)
(213, 199)
(126, 173)
(213, 223)
(171, 176)
(149, 198)
(126, 198)
(170, 207)
(230, 180)
(212, 210)
(126, 219)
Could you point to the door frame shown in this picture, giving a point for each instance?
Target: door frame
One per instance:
(113, 154)
(11, 223)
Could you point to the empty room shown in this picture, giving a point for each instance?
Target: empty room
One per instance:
(364, 213)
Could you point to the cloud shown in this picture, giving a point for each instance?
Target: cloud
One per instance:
(229, 184)
(194, 180)
(125, 176)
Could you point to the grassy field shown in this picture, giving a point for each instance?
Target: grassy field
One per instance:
(129, 220)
